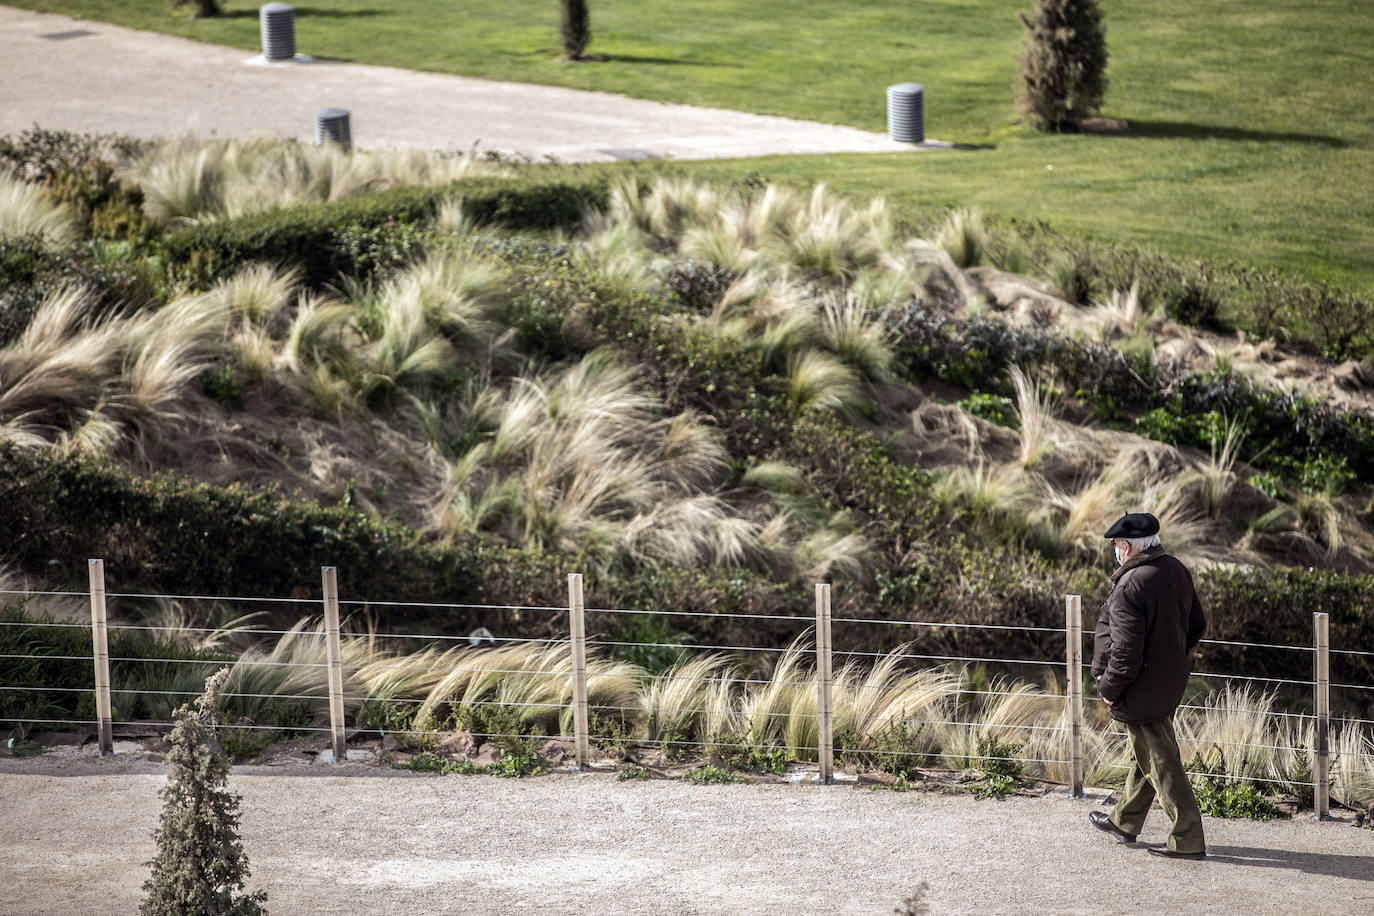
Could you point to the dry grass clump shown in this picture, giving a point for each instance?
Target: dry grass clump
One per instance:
(26, 211)
(814, 274)
(188, 180)
(964, 237)
(87, 386)
(822, 234)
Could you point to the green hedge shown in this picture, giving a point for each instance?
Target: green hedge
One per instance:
(326, 240)
(1282, 431)
(186, 537)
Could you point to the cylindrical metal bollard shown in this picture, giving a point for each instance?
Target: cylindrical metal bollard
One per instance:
(278, 21)
(332, 125)
(906, 119)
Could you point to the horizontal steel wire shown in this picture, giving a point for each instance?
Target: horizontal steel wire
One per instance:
(27, 591)
(563, 640)
(954, 658)
(10, 623)
(450, 604)
(678, 645)
(225, 598)
(1255, 645)
(1204, 742)
(56, 658)
(971, 758)
(1247, 677)
(1280, 782)
(965, 626)
(230, 631)
(232, 662)
(1349, 652)
(702, 744)
(1353, 686)
(838, 717)
(607, 610)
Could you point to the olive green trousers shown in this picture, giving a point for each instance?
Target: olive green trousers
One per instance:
(1157, 768)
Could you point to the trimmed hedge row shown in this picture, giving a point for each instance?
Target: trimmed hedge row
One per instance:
(1281, 429)
(325, 240)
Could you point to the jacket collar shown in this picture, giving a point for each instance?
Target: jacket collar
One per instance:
(1149, 555)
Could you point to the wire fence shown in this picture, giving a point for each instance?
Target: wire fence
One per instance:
(718, 697)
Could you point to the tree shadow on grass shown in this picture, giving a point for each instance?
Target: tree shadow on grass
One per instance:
(642, 59)
(1311, 863)
(1185, 130)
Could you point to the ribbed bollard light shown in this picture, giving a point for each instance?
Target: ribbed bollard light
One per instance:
(906, 119)
(332, 126)
(278, 22)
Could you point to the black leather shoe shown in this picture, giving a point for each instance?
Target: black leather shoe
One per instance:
(1104, 823)
(1167, 853)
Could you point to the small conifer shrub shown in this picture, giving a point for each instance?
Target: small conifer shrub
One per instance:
(1063, 64)
(200, 867)
(576, 28)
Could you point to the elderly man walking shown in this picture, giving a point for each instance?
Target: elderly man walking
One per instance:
(1142, 659)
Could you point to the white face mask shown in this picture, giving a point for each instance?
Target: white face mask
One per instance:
(1119, 558)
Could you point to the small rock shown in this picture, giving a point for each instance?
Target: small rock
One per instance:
(555, 750)
(487, 754)
(458, 744)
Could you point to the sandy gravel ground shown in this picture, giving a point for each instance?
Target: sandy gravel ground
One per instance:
(75, 834)
(88, 76)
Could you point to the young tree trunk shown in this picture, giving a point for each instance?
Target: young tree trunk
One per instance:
(576, 27)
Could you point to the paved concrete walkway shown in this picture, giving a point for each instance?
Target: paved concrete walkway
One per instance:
(80, 75)
(76, 839)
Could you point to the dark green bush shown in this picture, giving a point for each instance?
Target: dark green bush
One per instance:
(1063, 64)
(361, 234)
(29, 274)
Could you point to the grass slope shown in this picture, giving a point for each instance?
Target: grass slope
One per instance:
(1247, 138)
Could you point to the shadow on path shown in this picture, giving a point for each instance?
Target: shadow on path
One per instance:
(1185, 130)
(1311, 863)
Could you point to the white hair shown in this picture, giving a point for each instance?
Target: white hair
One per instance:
(1145, 543)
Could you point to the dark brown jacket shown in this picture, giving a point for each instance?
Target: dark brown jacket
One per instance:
(1145, 637)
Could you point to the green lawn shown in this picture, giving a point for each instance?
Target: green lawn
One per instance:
(1251, 134)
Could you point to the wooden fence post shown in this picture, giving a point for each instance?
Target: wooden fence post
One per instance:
(100, 646)
(577, 627)
(1321, 707)
(335, 656)
(825, 747)
(1073, 626)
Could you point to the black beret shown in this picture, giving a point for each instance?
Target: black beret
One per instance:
(1134, 525)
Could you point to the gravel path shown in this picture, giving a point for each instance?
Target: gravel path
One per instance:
(88, 76)
(74, 836)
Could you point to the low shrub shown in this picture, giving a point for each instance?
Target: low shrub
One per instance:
(1002, 774)
(1220, 797)
(711, 775)
(360, 235)
(740, 753)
